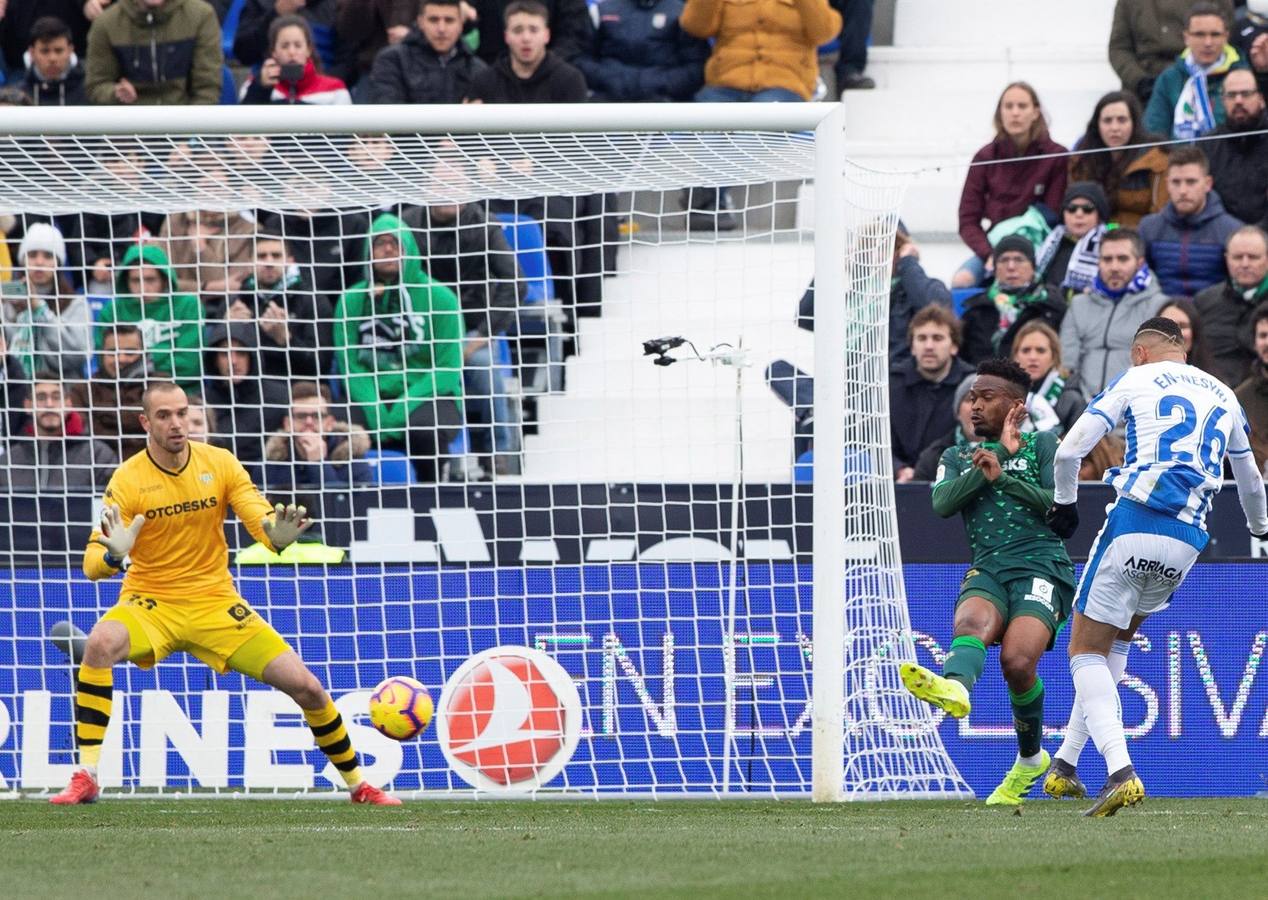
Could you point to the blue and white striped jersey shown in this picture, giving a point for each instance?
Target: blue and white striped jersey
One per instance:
(1181, 422)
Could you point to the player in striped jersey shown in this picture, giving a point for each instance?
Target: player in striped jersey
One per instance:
(1181, 423)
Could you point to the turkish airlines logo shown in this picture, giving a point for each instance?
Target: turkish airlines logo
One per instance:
(509, 719)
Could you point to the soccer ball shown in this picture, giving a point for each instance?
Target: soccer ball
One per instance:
(400, 708)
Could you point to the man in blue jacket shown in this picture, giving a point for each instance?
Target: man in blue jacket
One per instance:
(639, 54)
(1185, 242)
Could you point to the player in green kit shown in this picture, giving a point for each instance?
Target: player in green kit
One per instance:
(1020, 587)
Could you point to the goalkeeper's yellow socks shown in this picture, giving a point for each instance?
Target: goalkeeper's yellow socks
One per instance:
(332, 738)
(965, 661)
(94, 693)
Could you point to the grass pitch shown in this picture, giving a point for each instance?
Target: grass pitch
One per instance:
(316, 849)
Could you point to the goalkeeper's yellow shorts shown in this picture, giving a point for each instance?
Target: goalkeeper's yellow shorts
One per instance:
(225, 633)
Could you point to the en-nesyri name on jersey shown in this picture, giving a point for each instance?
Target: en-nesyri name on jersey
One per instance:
(1180, 423)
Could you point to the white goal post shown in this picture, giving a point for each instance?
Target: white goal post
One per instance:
(688, 648)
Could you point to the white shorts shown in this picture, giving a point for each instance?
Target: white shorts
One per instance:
(1137, 561)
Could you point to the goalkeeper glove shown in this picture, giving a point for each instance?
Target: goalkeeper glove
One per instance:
(1063, 519)
(287, 524)
(117, 539)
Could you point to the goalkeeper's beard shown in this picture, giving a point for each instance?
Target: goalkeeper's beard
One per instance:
(173, 445)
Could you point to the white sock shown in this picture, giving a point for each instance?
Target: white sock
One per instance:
(1076, 734)
(1098, 695)
(1031, 761)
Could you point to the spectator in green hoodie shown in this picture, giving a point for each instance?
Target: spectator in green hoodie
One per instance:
(170, 323)
(398, 341)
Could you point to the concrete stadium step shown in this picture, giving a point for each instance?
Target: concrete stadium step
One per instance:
(1047, 67)
(668, 410)
(610, 450)
(957, 115)
(924, 23)
(933, 206)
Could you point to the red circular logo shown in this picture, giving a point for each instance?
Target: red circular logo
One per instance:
(509, 719)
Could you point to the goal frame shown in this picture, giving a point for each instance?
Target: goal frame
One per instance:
(829, 222)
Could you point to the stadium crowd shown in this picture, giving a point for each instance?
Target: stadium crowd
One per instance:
(1158, 208)
(313, 340)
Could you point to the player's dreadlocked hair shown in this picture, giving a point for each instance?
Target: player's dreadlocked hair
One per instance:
(1007, 370)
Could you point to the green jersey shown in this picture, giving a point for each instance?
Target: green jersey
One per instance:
(1005, 519)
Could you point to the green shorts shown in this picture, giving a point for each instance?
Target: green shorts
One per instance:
(1034, 596)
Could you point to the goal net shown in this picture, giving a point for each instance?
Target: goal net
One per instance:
(585, 458)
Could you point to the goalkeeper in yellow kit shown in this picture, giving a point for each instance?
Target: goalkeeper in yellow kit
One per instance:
(165, 508)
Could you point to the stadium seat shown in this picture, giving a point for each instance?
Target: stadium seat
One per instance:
(804, 468)
(461, 443)
(857, 465)
(527, 239)
(502, 355)
(228, 88)
(960, 296)
(391, 467)
(229, 28)
(541, 365)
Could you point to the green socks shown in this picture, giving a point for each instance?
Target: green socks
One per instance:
(965, 661)
(1028, 719)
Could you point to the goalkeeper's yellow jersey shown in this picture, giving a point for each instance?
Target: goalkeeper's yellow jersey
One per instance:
(181, 550)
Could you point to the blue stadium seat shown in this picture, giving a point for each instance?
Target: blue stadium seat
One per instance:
(857, 466)
(527, 239)
(461, 443)
(391, 467)
(960, 296)
(502, 355)
(804, 468)
(228, 88)
(229, 28)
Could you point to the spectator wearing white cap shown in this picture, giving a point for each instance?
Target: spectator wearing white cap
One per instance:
(47, 324)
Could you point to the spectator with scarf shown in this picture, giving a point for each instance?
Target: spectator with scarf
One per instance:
(1053, 405)
(993, 316)
(1145, 37)
(1186, 101)
(1067, 259)
(1034, 175)
(1100, 325)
